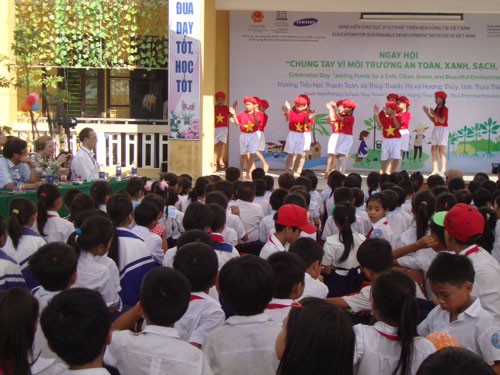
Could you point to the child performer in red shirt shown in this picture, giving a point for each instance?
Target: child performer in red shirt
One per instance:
(221, 112)
(334, 137)
(307, 133)
(344, 143)
(248, 121)
(391, 145)
(439, 138)
(404, 118)
(261, 107)
(298, 121)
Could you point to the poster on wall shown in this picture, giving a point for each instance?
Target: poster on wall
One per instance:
(333, 56)
(184, 70)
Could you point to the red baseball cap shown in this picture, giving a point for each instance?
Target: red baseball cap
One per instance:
(220, 94)
(441, 94)
(264, 103)
(405, 100)
(463, 222)
(300, 100)
(291, 215)
(349, 103)
(392, 96)
(249, 99)
(393, 106)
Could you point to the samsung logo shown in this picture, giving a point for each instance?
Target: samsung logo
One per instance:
(305, 22)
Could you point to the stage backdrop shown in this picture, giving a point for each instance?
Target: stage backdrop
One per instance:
(333, 56)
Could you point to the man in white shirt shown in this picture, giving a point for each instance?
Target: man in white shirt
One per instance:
(84, 164)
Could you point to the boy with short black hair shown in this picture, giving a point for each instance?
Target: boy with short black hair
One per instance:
(258, 173)
(260, 198)
(374, 257)
(451, 277)
(192, 235)
(266, 225)
(463, 196)
(76, 324)
(199, 264)
(164, 299)
(289, 270)
(224, 250)
(311, 254)
(290, 220)
(146, 218)
(481, 198)
(463, 226)
(245, 343)
(286, 180)
(232, 174)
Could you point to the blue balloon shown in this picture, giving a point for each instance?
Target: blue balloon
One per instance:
(35, 107)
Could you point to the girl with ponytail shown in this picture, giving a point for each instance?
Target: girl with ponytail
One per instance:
(23, 242)
(341, 268)
(392, 345)
(50, 225)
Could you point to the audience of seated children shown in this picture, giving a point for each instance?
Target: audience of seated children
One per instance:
(224, 250)
(230, 235)
(269, 180)
(80, 203)
(289, 274)
(290, 220)
(341, 268)
(10, 272)
(68, 199)
(164, 299)
(18, 323)
(55, 267)
(286, 180)
(405, 217)
(22, 241)
(454, 361)
(101, 191)
(172, 219)
(315, 196)
(361, 215)
(197, 216)
(463, 226)
(316, 338)
(159, 229)
(76, 325)
(146, 218)
(445, 201)
(129, 252)
(198, 262)
(49, 224)
(135, 188)
(233, 220)
(392, 345)
(245, 343)
(495, 252)
(260, 198)
(377, 208)
(92, 241)
(311, 254)
(251, 214)
(452, 277)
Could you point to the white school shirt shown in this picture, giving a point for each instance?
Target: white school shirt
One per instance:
(234, 222)
(251, 214)
(359, 226)
(88, 371)
(230, 236)
(266, 227)
(91, 274)
(273, 245)
(381, 229)
(243, 345)
(474, 328)
(28, 244)
(85, 165)
(264, 204)
(168, 259)
(313, 288)
(316, 198)
(10, 273)
(398, 223)
(152, 241)
(334, 249)
(364, 221)
(56, 228)
(204, 315)
(154, 351)
(377, 351)
(224, 251)
(47, 366)
(172, 220)
(113, 270)
(495, 252)
(406, 206)
(278, 309)
(486, 279)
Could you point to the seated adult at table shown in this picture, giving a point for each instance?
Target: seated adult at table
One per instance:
(3, 139)
(43, 157)
(15, 157)
(84, 164)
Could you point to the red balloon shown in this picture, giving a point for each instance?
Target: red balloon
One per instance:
(25, 106)
(32, 98)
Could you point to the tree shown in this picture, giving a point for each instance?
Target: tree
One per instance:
(465, 133)
(320, 126)
(478, 131)
(452, 140)
(491, 127)
(372, 124)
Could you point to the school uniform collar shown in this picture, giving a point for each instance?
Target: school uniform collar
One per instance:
(473, 311)
(42, 292)
(88, 371)
(382, 221)
(162, 331)
(276, 242)
(52, 214)
(386, 330)
(279, 303)
(391, 213)
(468, 251)
(252, 319)
(205, 296)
